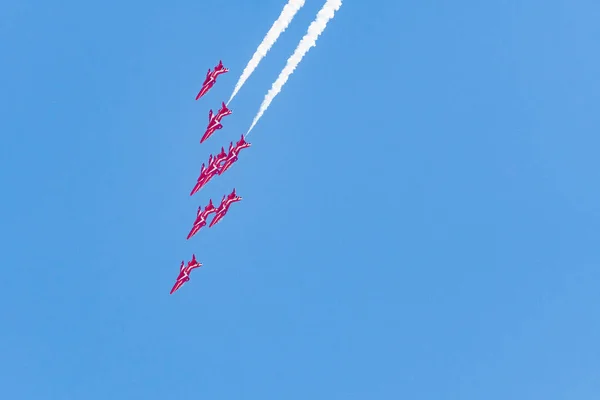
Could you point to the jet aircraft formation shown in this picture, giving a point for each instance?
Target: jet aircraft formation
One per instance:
(218, 164)
(215, 166)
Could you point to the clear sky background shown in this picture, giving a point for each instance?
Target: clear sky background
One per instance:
(420, 209)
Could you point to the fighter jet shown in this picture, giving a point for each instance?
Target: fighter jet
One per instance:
(224, 207)
(206, 174)
(209, 131)
(233, 153)
(202, 176)
(201, 218)
(214, 169)
(211, 79)
(214, 121)
(184, 273)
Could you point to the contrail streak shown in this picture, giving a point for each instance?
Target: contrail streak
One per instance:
(309, 40)
(286, 16)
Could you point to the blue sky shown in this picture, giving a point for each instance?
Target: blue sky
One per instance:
(420, 215)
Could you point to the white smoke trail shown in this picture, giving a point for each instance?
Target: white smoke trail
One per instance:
(309, 40)
(279, 26)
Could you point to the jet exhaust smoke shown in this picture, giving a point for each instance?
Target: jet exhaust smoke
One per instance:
(279, 26)
(309, 40)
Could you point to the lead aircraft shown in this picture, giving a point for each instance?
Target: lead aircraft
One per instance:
(211, 79)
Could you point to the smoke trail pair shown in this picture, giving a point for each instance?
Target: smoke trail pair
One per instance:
(309, 40)
(286, 16)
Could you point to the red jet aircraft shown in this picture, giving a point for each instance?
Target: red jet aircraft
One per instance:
(214, 121)
(233, 153)
(216, 165)
(211, 79)
(224, 207)
(202, 176)
(201, 218)
(184, 273)
(206, 174)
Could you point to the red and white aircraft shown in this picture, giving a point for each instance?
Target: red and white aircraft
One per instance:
(214, 169)
(233, 153)
(201, 218)
(224, 207)
(206, 174)
(202, 176)
(214, 121)
(211, 79)
(184, 273)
